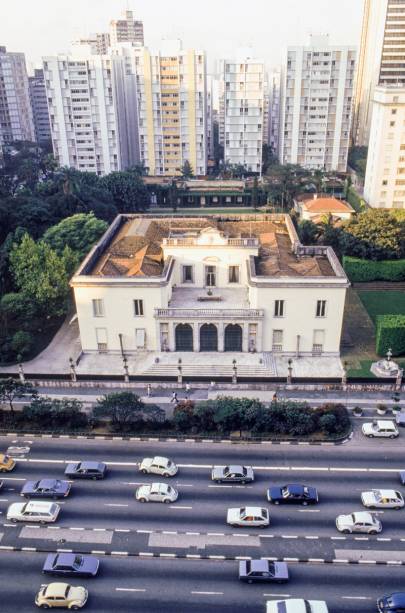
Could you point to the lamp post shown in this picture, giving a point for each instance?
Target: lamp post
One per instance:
(344, 375)
(235, 372)
(180, 372)
(20, 369)
(72, 370)
(289, 372)
(125, 365)
(398, 382)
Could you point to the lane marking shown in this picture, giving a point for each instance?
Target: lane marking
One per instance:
(129, 589)
(178, 506)
(278, 595)
(208, 593)
(113, 504)
(356, 598)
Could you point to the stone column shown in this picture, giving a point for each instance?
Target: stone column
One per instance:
(196, 336)
(221, 336)
(245, 337)
(172, 336)
(259, 336)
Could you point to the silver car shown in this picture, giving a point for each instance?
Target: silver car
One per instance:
(358, 522)
(382, 499)
(234, 473)
(156, 492)
(158, 466)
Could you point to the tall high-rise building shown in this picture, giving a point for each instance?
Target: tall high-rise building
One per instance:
(274, 111)
(384, 185)
(90, 98)
(210, 117)
(266, 112)
(242, 111)
(172, 114)
(317, 91)
(381, 59)
(99, 42)
(126, 30)
(39, 105)
(16, 122)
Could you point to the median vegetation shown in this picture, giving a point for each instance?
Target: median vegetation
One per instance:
(126, 413)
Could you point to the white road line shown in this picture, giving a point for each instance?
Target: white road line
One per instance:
(178, 506)
(3, 499)
(112, 504)
(129, 589)
(278, 595)
(309, 510)
(208, 593)
(356, 598)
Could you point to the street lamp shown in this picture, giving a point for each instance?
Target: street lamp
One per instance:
(20, 369)
(125, 365)
(289, 373)
(180, 375)
(72, 370)
(235, 372)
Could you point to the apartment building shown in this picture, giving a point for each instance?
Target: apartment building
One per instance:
(16, 121)
(171, 90)
(381, 59)
(89, 98)
(127, 29)
(242, 111)
(316, 110)
(274, 110)
(384, 185)
(99, 42)
(39, 105)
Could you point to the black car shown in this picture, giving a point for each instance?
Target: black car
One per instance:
(86, 470)
(292, 494)
(394, 603)
(71, 565)
(402, 477)
(46, 488)
(256, 571)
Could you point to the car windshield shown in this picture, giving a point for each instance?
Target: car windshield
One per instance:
(353, 518)
(243, 512)
(6, 458)
(78, 561)
(286, 492)
(67, 591)
(169, 463)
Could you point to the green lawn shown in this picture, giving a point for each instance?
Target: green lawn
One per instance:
(383, 302)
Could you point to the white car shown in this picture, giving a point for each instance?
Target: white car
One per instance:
(158, 466)
(248, 516)
(36, 511)
(296, 605)
(382, 499)
(156, 492)
(380, 427)
(358, 522)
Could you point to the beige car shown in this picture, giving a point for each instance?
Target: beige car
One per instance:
(7, 464)
(61, 595)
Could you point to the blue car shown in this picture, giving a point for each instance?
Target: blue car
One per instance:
(71, 565)
(394, 603)
(86, 470)
(292, 494)
(46, 488)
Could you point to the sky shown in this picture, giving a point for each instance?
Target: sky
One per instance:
(46, 27)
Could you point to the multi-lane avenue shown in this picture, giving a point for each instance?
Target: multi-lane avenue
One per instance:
(183, 556)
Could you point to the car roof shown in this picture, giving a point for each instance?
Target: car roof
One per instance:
(387, 493)
(56, 589)
(253, 510)
(66, 558)
(398, 598)
(259, 565)
(158, 459)
(296, 488)
(162, 487)
(361, 516)
(47, 482)
(385, 424)
(91, 464)
(40, 505)
(235, 468)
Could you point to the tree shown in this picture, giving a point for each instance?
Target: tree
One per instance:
(173, 195)
(21, 343)
(254, 194)
(10, 389)
(186, 170)
(42, 275)
(48, 412)
(126, 409)
(128, 191)
(308, 232)
(378, 234)
(79, 232)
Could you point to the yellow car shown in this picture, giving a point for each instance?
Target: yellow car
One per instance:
(6, 463)
(61, 595)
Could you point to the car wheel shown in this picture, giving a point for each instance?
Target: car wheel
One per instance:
(144, 471)
(167, 500)
(142, 499)
(371, 506)
(370, 435)
(166, 475)
(235, 525)
(94, 479)
(345, 531)
(304, 504)
(392, 436)
(243, 482)
(54, 498)
(276, 502)
(263, 526)
(14, 520)
(249, 581)
(42, 522)
(218, 481)
(45, 606)
(373, 532)
(397, 508)
(75, 607)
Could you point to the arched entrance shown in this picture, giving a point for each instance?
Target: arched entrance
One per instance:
(208, 337)
(184, 337)
(233, 337)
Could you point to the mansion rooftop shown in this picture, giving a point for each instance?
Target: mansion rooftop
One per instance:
(134, 247)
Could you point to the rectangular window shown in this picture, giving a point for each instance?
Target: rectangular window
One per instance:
(321, 308)
(98, 307)
(210, 276)
(279, 308)
(101, 336)
(138, 308)
(277, 341)
(318, 342)
(187, 274)
(233, 274)
(140, 338)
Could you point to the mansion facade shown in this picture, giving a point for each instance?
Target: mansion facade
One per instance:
(209, 284)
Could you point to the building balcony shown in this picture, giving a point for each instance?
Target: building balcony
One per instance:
(209, 303)
(209, 314)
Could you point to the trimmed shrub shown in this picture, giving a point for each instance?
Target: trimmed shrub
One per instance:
(359, 270)
(390, 334)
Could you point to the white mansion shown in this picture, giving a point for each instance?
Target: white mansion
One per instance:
(209, 284)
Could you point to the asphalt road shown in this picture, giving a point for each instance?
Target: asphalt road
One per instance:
(103, 516)
(185, 586)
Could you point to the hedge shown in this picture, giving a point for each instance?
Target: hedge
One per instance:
(390, 334)
(368, 270)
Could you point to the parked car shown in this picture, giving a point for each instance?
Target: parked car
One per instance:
(382, 499)
(260, 571)
(249, 517)
(402, 476)
(46, 488)
(232, 474)
(7, 464)
(61, 595)
(296, 605)
(41, 512)
(394, 603)
(400, 418)
(158, 466)
(293, 494)
(86, 470)
(156, 492)
(359, 522)
(71, 565)
(380, 428)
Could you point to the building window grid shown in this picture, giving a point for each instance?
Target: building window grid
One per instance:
(279, 309)
(98, 307)
(138, 308)
(233, 274)
(321, 308)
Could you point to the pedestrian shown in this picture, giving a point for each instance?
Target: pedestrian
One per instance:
(274, 399)
(149, 392)
(188, 390)
(174, 397)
